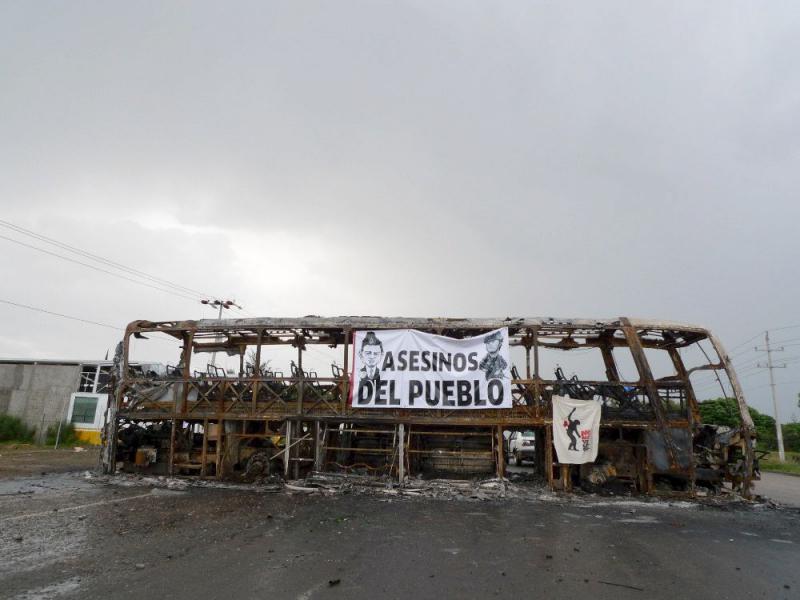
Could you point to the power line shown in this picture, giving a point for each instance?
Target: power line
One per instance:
(783, 328)
(88, 321)
(753, 362)
(743, 371)
(746, 351)
(101, 259)
(741, 353)
(744, 342)
(72, 260)
(56, 314)
(715, 383)
(178, 290)
(791, 382)
(746, 362)
(746, 366)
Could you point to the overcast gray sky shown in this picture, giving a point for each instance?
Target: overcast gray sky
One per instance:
(405, 158)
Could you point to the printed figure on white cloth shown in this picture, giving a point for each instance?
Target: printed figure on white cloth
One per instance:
(493, 365)
(576, 429)
(371, 354)
(572, 431)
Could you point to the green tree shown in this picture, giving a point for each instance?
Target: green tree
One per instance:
(720, 411)
(791, 436)
(725, 411)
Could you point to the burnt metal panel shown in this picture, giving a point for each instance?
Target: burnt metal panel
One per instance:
(657, 416)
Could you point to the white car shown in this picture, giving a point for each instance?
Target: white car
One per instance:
(522, 445)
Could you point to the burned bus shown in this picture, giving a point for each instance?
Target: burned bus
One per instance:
(259, 397)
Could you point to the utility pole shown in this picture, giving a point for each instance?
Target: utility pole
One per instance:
(770, 366)
(221, 304)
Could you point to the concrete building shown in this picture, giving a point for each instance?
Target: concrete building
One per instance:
(43, 392)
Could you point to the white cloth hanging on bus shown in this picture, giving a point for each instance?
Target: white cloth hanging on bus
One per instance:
(576, 429)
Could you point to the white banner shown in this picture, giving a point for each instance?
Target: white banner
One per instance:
(405, 368)
(576, 429)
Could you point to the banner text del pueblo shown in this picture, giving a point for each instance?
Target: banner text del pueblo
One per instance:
(405, 368)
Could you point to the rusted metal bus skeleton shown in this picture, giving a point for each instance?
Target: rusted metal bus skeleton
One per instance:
(248, 424)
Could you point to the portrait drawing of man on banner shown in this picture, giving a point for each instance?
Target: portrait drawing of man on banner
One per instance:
(493, 365)
(371, 354)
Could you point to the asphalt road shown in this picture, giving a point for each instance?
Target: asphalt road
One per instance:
(135, 542)
(780, 487)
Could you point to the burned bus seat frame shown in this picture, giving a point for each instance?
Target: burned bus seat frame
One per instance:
(207, 422)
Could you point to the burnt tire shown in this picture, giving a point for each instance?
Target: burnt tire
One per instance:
(257, 465)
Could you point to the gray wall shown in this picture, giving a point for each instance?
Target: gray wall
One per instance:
(37, 394)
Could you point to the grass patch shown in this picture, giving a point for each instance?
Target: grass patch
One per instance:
(68, 436)
(791, 466)
(12, 429)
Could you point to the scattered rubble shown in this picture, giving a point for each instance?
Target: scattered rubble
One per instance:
(476, 490)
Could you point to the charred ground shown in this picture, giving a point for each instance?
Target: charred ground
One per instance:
(69, 535)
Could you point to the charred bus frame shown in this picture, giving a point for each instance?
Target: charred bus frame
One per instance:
(256, 421)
